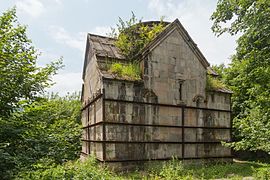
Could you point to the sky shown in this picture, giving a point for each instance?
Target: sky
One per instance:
(58, 28)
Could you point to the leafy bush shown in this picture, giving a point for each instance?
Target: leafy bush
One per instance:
(77, 170)
(129, 71)
(135, 35)
(263, 173)
(49, 128)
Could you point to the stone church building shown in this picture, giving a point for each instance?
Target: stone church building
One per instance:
(167, 113)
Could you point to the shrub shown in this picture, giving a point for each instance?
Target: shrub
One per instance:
(263, 173)
(89, 169)
(47, 130)
(135, 35)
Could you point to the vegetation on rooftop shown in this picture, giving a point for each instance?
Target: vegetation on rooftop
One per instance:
(213, 83)
(130, 71)
(133, 35)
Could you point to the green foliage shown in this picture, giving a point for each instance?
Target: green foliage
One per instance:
(220, 70)
(173, 169)
(249, 73)
(48, 128)
(262, 173)
(77, 170)
(134, 35)
(213, 84)
(24, 136)
(129, 71)
(20, 77)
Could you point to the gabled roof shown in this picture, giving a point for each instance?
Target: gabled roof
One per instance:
(166, 32)
(103, 46)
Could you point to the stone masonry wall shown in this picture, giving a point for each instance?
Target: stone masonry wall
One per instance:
(168, 113)
(173, 63)
(129, 113)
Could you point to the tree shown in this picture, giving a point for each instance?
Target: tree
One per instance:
(21, 83)
(46, 131)
(20, 78)
(249, 73)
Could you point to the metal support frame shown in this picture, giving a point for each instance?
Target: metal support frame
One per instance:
(165, 105)
(183, 132)
(152, 125)
(151, 142)
(160, 159)
(164, 159)
(103, 127)
(103, 123)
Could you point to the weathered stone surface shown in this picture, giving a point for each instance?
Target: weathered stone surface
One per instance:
(168, 111)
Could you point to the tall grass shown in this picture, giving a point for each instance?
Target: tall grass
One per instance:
(170, 170)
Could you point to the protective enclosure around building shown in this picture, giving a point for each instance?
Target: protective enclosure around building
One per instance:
(167, 113)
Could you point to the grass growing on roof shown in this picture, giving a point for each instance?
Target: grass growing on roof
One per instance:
(130, 71)
(214, 83)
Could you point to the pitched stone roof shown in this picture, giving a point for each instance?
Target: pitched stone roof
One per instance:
(104, 47)
(172, 26)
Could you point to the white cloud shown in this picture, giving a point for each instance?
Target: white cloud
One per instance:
(61, 35)
(58, 2)
(195, 17)
(32, 7)
(66, 83)
(46, 56)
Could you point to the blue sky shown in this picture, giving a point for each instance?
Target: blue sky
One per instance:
(59, 27)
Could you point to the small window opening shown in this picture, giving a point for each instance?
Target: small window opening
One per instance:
(181, 89)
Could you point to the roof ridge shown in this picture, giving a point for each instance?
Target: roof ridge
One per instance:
(188, 39)
(101, 36)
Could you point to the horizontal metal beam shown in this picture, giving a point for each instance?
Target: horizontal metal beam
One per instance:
(151, 125)
(92, 101)
(165, 105)
(165, 159)
(144, 103)
(84, 153)
(151, 142)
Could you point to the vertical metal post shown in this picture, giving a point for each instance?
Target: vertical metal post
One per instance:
(231, 121)
(88, 131)
(183, 132)
(103, 126)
